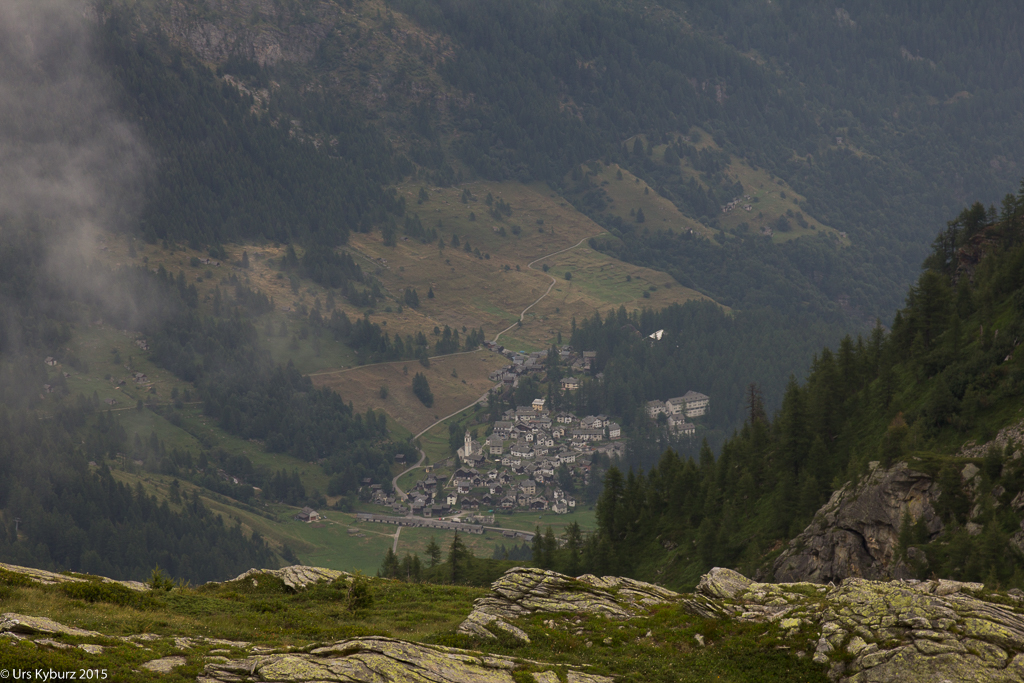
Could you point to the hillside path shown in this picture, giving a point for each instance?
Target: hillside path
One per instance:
(399, 493)
(548, 291)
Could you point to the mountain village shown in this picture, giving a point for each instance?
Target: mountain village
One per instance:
(533, 454)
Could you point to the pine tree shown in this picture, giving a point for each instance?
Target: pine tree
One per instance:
(458, 559)
(433, 552)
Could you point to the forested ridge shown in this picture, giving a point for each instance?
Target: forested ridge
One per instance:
(947, 373)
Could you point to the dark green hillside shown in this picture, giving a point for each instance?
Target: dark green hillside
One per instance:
(945, 375)
(226, 172)
(884, 117)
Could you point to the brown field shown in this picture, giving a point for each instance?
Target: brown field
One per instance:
(362, 386)
(474, 292)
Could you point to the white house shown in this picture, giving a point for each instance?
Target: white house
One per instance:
(696, 403)
(570, 384)
(675, 406)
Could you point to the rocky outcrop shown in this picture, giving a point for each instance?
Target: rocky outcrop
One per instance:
(383, 660)
(26, 625)
(1010, 434)
(295, 577)
(224, 28)
(49, 578)
(524, 591)
(856, 533)
(886, 632)
(860, 631)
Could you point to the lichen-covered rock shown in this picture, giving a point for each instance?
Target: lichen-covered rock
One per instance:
(49, 578)
(524, 591)
(20, 623)
(295, 577)
(379, 660)
(900, 631)
(722, 583)
(164, 665)
(856, 533)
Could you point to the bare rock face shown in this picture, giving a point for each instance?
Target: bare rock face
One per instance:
(524, 591)
(856, 533)
(381, 660)
(885, 632)
(223, 28)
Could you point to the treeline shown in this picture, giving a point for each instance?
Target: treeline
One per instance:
(947, 373)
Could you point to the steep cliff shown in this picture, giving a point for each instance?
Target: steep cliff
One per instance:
(966, 512)
(857, 532)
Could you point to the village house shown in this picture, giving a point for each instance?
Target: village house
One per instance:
(530, 487)
(585, 435)
(569, 384)
(614, 430)
(566, 418)
(538, 404)
(503, 428)
(679, 425)
(495, 444)
(308, 515)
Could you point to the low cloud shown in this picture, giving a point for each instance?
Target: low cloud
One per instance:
(71, 169)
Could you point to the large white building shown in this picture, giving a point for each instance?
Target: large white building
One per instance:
(690, 404)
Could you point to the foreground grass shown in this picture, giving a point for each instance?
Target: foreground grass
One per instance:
(659, 646)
